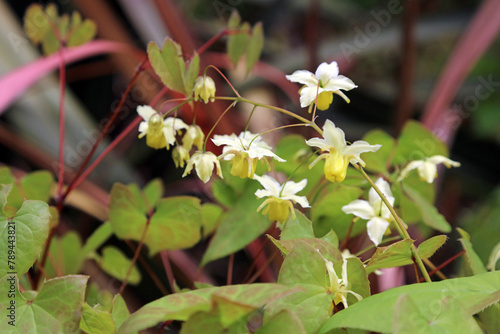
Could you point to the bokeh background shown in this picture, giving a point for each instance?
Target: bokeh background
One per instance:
(434, 61)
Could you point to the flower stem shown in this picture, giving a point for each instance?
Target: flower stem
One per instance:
(399, 223)
(217, 122)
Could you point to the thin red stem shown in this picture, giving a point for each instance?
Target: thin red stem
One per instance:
(104, 131)
(445, 263)
(226, 79)
(211, 41)
(136, 255)
(168, 270)
(230, 269)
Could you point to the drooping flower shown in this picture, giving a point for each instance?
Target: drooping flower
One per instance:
(321, 84)
(180, 155)
(339, 154)
(340, 287)
(427, 167)
(193, 136)
(374, 210)
(244, 151)
(204, 88)
(203, 163)
(280, 197)
(159, 132)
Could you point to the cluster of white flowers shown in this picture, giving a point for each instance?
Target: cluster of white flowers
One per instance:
(245, 150)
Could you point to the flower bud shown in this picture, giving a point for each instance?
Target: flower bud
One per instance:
(204, 88)
(194, 136)
(180, 155)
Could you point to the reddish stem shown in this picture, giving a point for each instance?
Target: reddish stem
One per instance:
(136, 255)
(445, 263)
(211, 41)
(168, 270)
(72, 184)
(230, 269)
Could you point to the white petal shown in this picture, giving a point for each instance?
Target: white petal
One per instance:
(259, 153)
(169, 135)
(439, 159)
(145, 112)
(340, 82)
(304, 77)
(376, 202)
(427, 171)
(308, 95)
(334, 136)
(302, 200)
(360, 208)
(408, 168)
(225, 140)
(358, 147)
(317, 142)
(376, 228)
(143, 127)
(270, 184)
(291, 188)
(175, 123)
(326, 72)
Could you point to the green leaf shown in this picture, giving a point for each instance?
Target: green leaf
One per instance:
(378, 161)
(237, 42)
(176, 224)
(451, 318)
(210, 218)
(331, 237)
(96, 239)
(394, 255)
(96, 321)
(50, 43)
(57, 308)
(181, 306)
(152, 193)
(66, 255)
(494, 257)
(427, 248)
(416, 142)
(255, 46)
(192, 73)
(37, 185)
(82, 33)
(125, 213)
(168, 64)
(119, 311)
(116, 264)
(430, 215)
(4, 192)
(475, 263)
(36, 23)
(284, 321)
(241, 225)
(211, 322)
(301, 227)
(23, 236)
(327, 213)
(378, 310)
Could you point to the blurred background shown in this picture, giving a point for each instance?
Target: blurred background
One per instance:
(433, 61)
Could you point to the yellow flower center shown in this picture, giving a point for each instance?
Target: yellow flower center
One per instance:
(241, 166)
(154, 136)
(324, 100)
(278, 209)
(336, 166)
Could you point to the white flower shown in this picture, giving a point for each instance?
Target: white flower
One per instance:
(427, 167)
(374, 210)
(204, 88)
(280, 197)
(204, 164)
(339, 154)
(244, 151)
(159, 133)
(339, 287)
(193, 136)
(323, 84)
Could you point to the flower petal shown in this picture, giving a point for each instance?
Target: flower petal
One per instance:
(145, 112)
(439, 159)
(334, 136)
(308, 95)
(318, 142)
(270, 184)
(427, 171)
(291, 188)
(340, 82)
(358, 147)
(304, 77)
(408, 168)
(360, 208)
(326, 72)
(376, 228)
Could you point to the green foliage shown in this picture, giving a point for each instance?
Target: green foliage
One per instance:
(168, 63)
(175, 223)
(181, 306)
(23, 236)
(378, 310)
(378, 161)
(98, 320)
(56, 308)
(116, 264)
(46, 27)
(244, 41)
(474, 262)
(241, 224)
(430, 215)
